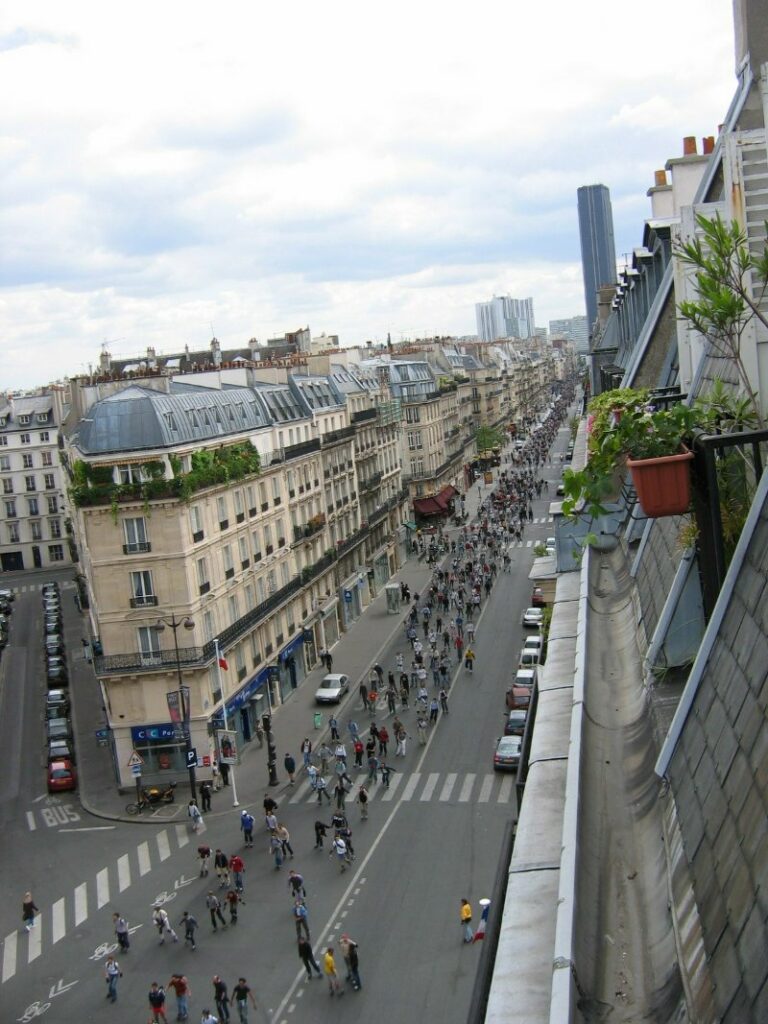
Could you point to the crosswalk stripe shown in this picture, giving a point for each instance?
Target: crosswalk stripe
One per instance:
(59, 921)
(102, 888)
(529, 543)
(466, 788)
(448, 785)
(394, 782)
(300, 793)
(144, 863)
(81, 903)
(505, 790)
(35, 939)
(430, 786)
(182, 836)
(9, 955)
(485, 790)
(123, 873)
(163, 846)
(411, 786)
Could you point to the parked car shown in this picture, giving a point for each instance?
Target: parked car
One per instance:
(52, 587)
(533, 618)
(529, 658)
(537, 597)
(551, 544)
(57, 700)
(518, 698)
(61, 776)
(514, 724)
(53, 644)
(7, 595)
(5, 606)
(332, 688)
(59, 729)
(525, 677)
(52, 625)
(58, 750)
(57, 673)
(560, 492)
(507, 755)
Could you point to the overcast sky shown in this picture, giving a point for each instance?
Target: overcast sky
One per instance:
(171, 169)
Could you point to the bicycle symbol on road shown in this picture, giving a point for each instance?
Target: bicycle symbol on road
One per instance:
(164, 897)
(36, 1009)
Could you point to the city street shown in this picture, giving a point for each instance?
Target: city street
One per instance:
(432, 838)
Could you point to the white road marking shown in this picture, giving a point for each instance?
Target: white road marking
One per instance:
(485, 790)
(182, 836)
(301, 792)
(59, 925)
(9, 956)
(448, 785)
(95, 828)
(411, 785)
(163, 847)
(123, 873)
(35, 940)
(102, 888)
(81, 903)
(505, 790)
(430, 786)
(394, 782)
(466, 789)
(31, 821)
(143, 853)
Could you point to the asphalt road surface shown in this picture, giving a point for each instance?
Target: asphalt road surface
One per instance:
(433, 838)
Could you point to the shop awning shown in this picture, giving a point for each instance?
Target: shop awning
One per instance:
(428, 507)
(444, 497)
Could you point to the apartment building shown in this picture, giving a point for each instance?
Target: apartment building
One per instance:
(34, 511)
(234, 509)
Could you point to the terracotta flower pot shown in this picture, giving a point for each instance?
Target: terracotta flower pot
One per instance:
(663, 485)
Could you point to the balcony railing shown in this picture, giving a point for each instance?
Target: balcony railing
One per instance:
(138, 547)
(146, 601)
(364, 414)
(336, 436)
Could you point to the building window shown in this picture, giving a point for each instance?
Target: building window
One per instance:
(55, 553)
(221, 504)
(34, 506)
(37, 529)
(26, 460)
(280, 533)
(240, 661)
(44, 436)
(142, 590)
(260, 590)
(276, 489)
(239, 511)
(3, 439)
(248, 593)
(135, 533)
(242, 545)
(13, 533)
(411, 414)
(149, 644)
(7, 485)
(47, 458)
(54, 525)
(129, 474)
(229, 566)
(10, 509)
(50, 482)
(202, 576)
(53, 505)
(29, 483)
(5, 463)
(196, 523)
(250, 497)
(208, 626)
(24, 420)
(234, 610)
(268, 548)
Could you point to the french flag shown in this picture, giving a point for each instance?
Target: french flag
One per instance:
(223, 662)
(480, 933)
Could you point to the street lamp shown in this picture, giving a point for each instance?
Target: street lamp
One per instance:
(174, 623)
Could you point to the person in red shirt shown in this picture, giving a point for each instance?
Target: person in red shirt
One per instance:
(237, 867)
(180, 985)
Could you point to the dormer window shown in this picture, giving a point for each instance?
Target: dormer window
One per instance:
(24, 420)
(42, 417)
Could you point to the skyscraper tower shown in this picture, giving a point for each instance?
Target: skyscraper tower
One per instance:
(598, 250)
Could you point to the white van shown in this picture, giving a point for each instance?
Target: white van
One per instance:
(526, 677)
(529, 657)
(534, 643)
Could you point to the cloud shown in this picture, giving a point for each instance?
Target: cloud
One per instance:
(18, 38)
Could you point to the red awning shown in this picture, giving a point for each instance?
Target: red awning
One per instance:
(428, 507)
(444, 497)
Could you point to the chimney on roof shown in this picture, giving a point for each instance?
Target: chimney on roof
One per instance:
(216, 351)
(659, 178)
(689, 145)
(708, 144)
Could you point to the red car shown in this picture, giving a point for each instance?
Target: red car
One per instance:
(537, 598)
(61, 776)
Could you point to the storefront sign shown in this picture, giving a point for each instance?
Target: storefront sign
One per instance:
(153, 733)
(228, 747)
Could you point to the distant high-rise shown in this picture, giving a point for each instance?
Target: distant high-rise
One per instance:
(598, 249)
(573, 328)
(505, 317)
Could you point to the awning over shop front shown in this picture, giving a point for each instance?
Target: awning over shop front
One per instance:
(428, 506)
(444, 497)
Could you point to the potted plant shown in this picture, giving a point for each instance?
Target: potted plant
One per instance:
(627, 431)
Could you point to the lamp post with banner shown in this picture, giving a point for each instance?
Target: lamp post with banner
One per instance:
(231, 759)
(266, 721)
(179, 700)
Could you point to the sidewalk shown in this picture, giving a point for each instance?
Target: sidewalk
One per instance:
(354, 654)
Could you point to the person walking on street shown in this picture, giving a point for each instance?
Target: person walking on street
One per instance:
(112, 972)
(421, 727)
(329, 968)
(221, 864)
(373, 768)
(163, 925)
(208, 1018)
(383, 740)
(180, 986)
(340, 793)
(213, 904)
(362, 800)
(434, 707)
(28, 911)
(466, 920)
(190, 923)
(444, 701)
(232, 899)
(321, 830)
(296, 885)
(247, 821)
(402, 738)
(333, 724)
(241, 993)
(204, 855)
(157, 1003)
(325, 754)
(237, 867)
(301, 918)
(205, 795)
(349, 952)
(289, 763)
(285, 840)
(386, 771)
(307, 957)
(194, 815)
(221, 998)
(276, 849)
(339, 848)
(121, 931)
(364, 695)
(306, 750)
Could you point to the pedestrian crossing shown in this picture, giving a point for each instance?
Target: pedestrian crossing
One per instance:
(447, 787)
(69, 912)
(36, 588)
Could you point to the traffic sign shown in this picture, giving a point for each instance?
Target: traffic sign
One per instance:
(135, 760)
(348, 596)
(192, 758)
(136, 770)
